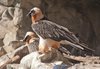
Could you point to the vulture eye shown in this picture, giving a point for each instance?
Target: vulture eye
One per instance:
(31, 13)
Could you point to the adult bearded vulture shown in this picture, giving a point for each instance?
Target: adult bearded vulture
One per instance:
(52, 34)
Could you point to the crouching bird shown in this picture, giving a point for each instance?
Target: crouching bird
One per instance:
(31, 41)
(51, 34)
(29, 37)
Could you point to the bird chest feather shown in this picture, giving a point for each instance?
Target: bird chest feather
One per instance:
(47, 44)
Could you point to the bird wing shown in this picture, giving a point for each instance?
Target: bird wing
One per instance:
(33, 46)
(50, 30)
(47, 29)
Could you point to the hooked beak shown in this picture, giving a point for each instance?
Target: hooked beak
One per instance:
(31, 13)
(25, 38)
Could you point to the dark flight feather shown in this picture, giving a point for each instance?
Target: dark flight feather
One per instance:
(47, 29)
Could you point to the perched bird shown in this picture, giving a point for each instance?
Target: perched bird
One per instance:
(32, 41)
(29, 37)
(52, 34)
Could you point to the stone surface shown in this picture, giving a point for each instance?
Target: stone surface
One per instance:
(35, 60)
(85, 66)
(27, 60)
(13, 56)
(10, 23)
(16, 66)
(7, 2)
(13, 45)
(2, 51)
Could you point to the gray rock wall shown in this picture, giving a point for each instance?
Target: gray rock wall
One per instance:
(79, 16)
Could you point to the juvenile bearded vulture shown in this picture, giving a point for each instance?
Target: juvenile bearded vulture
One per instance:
(52, 34)
(32, 41)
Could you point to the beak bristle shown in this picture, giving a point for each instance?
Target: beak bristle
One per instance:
(25, 38)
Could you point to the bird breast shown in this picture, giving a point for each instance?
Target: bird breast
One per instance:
(47, 44)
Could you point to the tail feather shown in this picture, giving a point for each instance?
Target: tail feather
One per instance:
(77, 45)
(86, 47)
(64, 50)
(71, 44)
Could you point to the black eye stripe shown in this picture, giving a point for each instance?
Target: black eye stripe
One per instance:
(32, 11)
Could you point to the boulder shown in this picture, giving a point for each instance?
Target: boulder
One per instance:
(7, 2)
(35, 60)
(27, 60)
(16, 66)
(10, 23)
(13, 45)
(2, 51)
(85, 66)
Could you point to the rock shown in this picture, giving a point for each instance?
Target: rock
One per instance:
(11, 21)
(16, 66)
(2, 9)
(85, 66)
(37, 64)
(54, 55)
(32, 61)
(11, 36)
(2, 51)
(1, 42)
(35, 60)
(13, 56)
(13, 45)
(29, 4)
(27, 60)
(49, 60)
(7, 61)
(7, 2)
(21, 66)
(63, 66)
(2, 32)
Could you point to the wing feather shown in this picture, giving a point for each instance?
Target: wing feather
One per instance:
(48, 29)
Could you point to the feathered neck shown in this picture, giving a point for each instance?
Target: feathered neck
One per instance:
(44, 18)
(35, 21)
